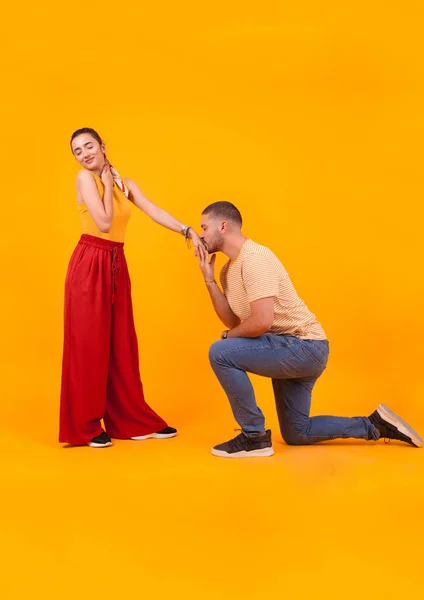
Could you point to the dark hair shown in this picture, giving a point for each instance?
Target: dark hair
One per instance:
(88, 130)
(224, 210)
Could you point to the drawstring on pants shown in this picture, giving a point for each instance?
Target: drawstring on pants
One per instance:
(114, 270)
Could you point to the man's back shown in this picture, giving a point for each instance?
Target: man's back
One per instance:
(257, 273)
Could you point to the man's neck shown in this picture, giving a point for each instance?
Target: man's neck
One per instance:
(233, 245)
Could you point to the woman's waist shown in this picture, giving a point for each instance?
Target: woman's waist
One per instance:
(100, 242)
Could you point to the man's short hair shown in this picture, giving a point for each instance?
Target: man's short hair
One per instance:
(224, 210)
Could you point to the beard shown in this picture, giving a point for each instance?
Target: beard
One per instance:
(215, 244)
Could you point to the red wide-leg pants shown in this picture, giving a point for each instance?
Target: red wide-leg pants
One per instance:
(100, 374)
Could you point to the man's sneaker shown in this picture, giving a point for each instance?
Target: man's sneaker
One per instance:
(163, 434)
(244, 446)
(392, 427)
(101, 441)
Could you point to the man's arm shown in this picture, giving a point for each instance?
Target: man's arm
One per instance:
(221, 306)
(260, 279)
(219, 301)
(259, 321)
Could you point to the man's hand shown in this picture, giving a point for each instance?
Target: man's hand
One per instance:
(197, 242)
(207, 267)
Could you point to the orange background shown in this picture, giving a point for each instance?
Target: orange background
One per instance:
(309, 117)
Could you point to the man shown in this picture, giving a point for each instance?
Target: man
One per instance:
(271, 332)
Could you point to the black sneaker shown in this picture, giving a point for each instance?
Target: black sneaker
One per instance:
(392, 427)
(101, 441)
(243, 446)
(163, 434)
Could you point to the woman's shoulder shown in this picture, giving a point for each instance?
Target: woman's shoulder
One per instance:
(131, 187)
(88, 180)
(130, 182)
(83, 176)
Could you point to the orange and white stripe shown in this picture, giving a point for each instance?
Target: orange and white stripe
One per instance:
(257, 273)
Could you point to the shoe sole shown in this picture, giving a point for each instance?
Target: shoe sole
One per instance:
(94, 445)
(391, 417)
(244, 453)
(156, 436)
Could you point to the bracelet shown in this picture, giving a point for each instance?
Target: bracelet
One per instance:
(184, 231)
(213, 281)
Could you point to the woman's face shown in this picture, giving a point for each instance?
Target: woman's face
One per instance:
(88, 152)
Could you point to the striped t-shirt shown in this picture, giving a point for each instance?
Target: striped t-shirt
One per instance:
(257, 273)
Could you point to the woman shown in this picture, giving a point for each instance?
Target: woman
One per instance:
(100, 375)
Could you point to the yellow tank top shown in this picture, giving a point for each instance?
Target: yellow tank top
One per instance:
(121, 215)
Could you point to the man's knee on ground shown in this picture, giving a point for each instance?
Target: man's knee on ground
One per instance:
(293, 435)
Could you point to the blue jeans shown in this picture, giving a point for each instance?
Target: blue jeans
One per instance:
(294, 366)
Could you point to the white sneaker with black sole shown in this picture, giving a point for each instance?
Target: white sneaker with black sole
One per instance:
(163, 434)
(392, 427)
(244, 446)
(101, 441)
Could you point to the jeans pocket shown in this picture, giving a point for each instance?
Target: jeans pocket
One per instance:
(317, 353)
(300, 364)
